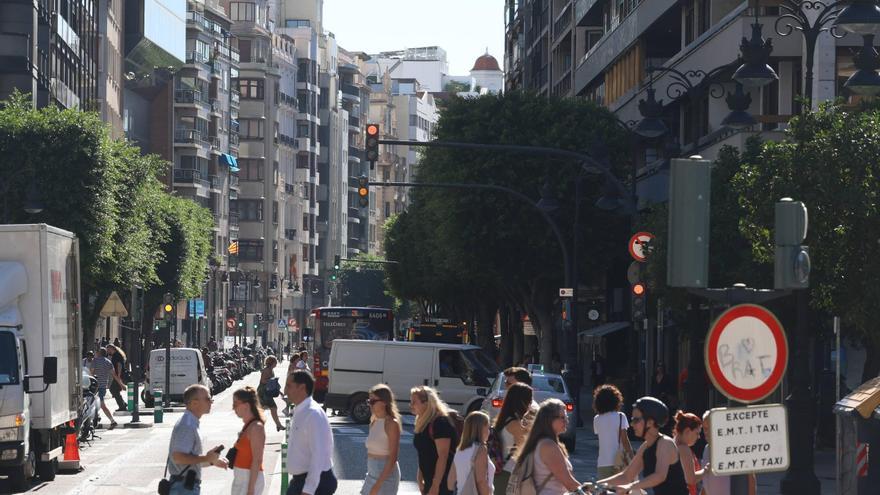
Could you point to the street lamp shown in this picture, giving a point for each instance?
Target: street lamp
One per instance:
(33, 202)
(859, 17)
(865, 81)
(755, 72)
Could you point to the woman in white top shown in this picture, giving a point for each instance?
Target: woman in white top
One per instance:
(610, 425)
(473, 455)
(552, 469)
(512, 428)
(383, 444)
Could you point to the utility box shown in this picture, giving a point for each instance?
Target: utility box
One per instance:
(858, 433)
(690, 194)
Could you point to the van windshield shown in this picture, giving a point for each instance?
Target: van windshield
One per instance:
(483, 367)
(8, 360)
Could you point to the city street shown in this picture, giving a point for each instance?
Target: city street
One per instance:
(128, 460)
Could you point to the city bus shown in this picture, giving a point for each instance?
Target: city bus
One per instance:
(438, 331)
(330, 323)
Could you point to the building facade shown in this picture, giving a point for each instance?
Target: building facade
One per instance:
(541, 44)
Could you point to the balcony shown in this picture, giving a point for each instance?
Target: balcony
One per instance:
(286, 140)
(234, 98)
(563, 22)
(354, 122)
(286, 99)
(233, 182)
(290, 234)
(197, 58)
(191, 96)
(290, 189)
(189, 176)
(215, 182)
(15, 52)
(233, 218)
(233, 141)
(182, 135)
(214, 141)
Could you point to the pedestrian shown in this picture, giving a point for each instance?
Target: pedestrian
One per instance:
(303, 363)
(104, 341)
(103, 371)
(657, 458)
(663, 386)
(714, 484)
(117, 357)
(434, 440)
(553, 473)
(247, 466)
(294, 359)
(512, 429)
(87, 361)
(517, 375)
(473, 454)
(687, 432)
(116, 342)
(383, 444)
(186, 454)
(610, 425)
(310, 462)
(268, 385)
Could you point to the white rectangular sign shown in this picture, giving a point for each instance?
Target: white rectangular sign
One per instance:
(566, 292)
(750, 439)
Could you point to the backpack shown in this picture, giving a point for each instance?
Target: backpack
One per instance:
(457, 421)
(496, 449)
(273, 387)
(522, 480)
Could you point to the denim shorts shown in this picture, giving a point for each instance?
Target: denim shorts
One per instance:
(101, 393)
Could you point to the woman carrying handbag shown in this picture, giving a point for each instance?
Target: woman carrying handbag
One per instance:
(472, 458)
(246, 457)
(610, 425)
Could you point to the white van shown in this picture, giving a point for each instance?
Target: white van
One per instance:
(462, 374)
(187, 368)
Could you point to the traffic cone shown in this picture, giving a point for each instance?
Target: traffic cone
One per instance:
(71, 448)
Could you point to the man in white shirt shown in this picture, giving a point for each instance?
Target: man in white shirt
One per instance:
(310, 440)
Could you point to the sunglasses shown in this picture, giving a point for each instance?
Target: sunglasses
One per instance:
(373, 401)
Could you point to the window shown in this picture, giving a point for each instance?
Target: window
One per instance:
(275, 251)
(242, 11)
(413, 120)
(251, 129)
(305, 222)
(244, 50)
(253, 89)
(250, 250)
(275, 213)
(305, 253)
(302, 160)
(296, 23)
(387, 209)
(250, 210)
(251, 169)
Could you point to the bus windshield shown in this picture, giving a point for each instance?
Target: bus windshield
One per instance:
(351, 323)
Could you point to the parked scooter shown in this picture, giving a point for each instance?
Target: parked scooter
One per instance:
(88, 418)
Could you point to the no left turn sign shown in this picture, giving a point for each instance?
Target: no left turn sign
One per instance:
(637, 246)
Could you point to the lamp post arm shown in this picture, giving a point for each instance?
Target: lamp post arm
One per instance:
(566, 260)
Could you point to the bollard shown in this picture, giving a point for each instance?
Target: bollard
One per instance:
(157, 409)
(284, 468)
(130, 396)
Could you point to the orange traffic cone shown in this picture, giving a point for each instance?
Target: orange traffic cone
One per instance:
(71, 448)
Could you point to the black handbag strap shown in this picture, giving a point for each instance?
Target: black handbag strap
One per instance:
(168, 461)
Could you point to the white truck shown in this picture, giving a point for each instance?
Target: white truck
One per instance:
(40, 335)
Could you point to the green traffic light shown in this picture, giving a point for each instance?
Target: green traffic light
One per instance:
(240, 324)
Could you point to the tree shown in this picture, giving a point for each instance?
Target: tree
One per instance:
(830, 160)
(454, 87)
(475, 250)
(105, 192)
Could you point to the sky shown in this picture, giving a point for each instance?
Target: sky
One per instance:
(464, 28)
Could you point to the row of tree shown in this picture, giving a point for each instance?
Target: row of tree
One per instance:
(131, 230)
(473, 253)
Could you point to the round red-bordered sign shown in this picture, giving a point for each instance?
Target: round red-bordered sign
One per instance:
(637, 246)
(746, 353)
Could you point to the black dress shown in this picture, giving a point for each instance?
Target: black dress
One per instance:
(423, 441)
(674, 484)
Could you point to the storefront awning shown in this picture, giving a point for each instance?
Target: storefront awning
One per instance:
(230, 161)
(602, 330)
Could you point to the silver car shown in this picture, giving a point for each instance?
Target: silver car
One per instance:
(544, 386)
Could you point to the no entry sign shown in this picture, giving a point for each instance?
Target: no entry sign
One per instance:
(746, 353)
(750, 439)
(637, 246)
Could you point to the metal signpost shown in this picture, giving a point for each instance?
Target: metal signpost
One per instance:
(746, 356)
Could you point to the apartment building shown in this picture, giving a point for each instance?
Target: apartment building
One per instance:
(110, 74)
(205, 165)
(49, 48)
(348, 232)
(541, 43)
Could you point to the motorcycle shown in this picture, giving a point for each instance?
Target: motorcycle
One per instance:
(88, 417)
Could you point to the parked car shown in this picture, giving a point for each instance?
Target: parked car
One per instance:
(462, 374)
(544, 386)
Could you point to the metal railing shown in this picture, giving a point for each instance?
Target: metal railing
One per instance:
(186, 175)
(215, 182)
(190, 96)
(196, 57)
(182, 135)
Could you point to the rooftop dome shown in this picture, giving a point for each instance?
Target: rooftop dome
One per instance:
(486, 62)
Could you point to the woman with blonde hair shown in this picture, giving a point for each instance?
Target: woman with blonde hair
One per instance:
(265, 391)
(552, 469)
(473, 454)
(383, 444)
(247, 466)
(434, 440)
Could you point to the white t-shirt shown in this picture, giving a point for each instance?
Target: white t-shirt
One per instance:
(714, 484)
(606, 426)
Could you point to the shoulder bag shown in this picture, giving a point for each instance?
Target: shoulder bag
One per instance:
(624, 453)
(470, 484)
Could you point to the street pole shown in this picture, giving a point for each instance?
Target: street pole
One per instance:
(166, 394)
(138, 352)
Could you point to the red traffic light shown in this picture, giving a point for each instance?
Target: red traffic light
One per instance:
(638, 289)
(372, 130)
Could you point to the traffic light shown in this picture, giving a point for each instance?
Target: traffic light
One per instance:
(687, 261)
(792, 263)
(240, 321)
(334, 276)
(372, 144)
(639, 307)
(363, 191)
(167, 306)
(336, 260)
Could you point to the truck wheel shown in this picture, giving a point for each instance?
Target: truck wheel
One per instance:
(47, 470)
(20, 479)
(360, 409)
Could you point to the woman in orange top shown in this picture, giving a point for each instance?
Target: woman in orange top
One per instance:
(248, 466)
